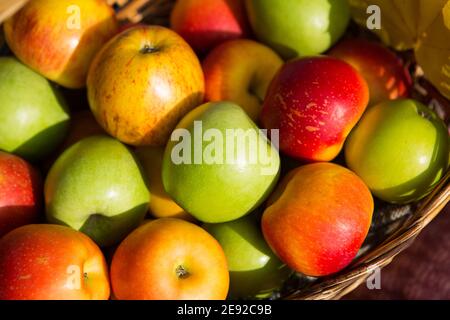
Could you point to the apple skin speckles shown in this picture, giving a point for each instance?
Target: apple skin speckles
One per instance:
(314, 102)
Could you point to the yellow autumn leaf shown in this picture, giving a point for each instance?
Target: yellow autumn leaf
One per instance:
(394, 31)
(433, 52)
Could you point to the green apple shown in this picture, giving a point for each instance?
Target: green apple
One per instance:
(97, 187)
(33, 115)
(218, 165)
(400, 149)
(255, 271)
(298, 27)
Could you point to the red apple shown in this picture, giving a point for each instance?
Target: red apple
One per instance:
(51, 262)
(206, 23)
(318, 218)
(387, 77)
(314, 102)
(59, 38)
(20, 193)
(169, 259)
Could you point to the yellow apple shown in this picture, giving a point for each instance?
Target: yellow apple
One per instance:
(162, 205)
(142, 83)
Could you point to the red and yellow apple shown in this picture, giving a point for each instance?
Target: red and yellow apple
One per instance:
(50, 262)
(59, 38)
(20, 193)
(318, 218)
(169, 259)
(240, 71)
(205, 24)
(314, 102)
(142, 83)
(161, 205)
(387, 77)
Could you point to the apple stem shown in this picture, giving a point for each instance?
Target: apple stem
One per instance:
(146, 49)
(182, 273)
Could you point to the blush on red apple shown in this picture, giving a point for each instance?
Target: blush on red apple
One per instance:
(20, 193)
(169, 259)
(317, 218)
(59, 38)
(385, 73)
(240, 71)
(205, 24)
(50, 262)
(314, 102)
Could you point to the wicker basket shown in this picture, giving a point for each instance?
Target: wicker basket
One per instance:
(394, 227)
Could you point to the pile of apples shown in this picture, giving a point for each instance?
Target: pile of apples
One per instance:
(76, 186)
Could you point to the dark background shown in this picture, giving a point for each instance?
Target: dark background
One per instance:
(420, 272)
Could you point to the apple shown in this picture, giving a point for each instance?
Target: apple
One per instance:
(205, 24)
(161, 206)
(255, 271)
(240, 71)
(387, 77)
(142, 82)
(20, 193)
(226, 172)
(169, 259)
(298, 27)
(51, 262)
(33, 114)
(400, 149)
(97, 187)
(59, 38)
(318, 218)
(314, 102)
